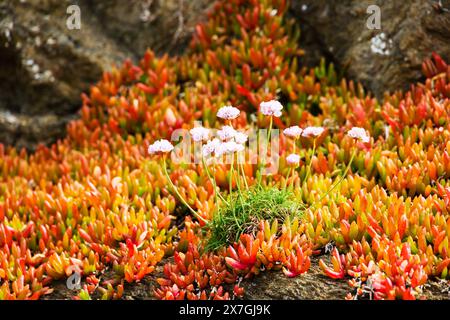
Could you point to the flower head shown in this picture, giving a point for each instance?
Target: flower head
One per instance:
(228, 148)
(293, 132)
(228, 113)
(210, 147)
(240, 137)
(160, 146)
(271, 108)
(359, 134)
(312, 132)
(226, 133)
(293, 159)
(199, 134)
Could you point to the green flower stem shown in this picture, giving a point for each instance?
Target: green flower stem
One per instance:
(213, 181)
(231, 190)
(219, 194)
(238, 178)
(287, 177)
(343, 176)
(178, 193)
(243, 175)
(269, 133)
(231, 176)
(293, 175)
(259, 164)
(308, 173)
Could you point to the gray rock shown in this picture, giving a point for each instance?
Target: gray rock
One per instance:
(313, 285)
(45, 66)
(386, 59)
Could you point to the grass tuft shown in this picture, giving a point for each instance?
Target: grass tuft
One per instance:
(243, 214)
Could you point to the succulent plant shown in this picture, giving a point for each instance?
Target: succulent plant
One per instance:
(96, 201)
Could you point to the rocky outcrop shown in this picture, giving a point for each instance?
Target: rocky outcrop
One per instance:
(382, 59)
(313, 285)
(45, 66)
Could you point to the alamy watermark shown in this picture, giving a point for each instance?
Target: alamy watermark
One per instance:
(73, 22)
(374, 20)
(74, 281)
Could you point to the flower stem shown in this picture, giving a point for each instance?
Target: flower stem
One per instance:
(178, 193)
(308, 173)
(213, 181)
(342, 178)
(238, 182)
(259, 163)
(292, 179)
(243, 175)
(269, 133)
(231, 175)
(287, 177)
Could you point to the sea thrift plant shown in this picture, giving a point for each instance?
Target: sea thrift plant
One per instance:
(200, 134)
(359, 134)
(293, 159)
(271, 108)
(228, 113)
(293, 132)
(362, 189)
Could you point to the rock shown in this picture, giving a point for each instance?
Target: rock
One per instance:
(382, 60)
(45, 66)
(313, 285)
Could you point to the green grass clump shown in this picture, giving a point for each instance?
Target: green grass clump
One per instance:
(243, 213)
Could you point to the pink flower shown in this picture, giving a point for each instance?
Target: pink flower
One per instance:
(312, 132)
(228, 148)
(240, 137)
(271, 108)
(293, 159)
(359, 134)
(226, 133)
(160, 146)
(228, 113)
(199, 134)
(293, 132)
(210, 147)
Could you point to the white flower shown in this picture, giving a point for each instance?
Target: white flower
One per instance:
(293, 132)
(228, 148)
(240, 137)
(226, 133)
(210, 147)
(293, 159)
(228, 113)
(199, 134)
(271, 108)
(359, 133)
(160, 146)
(312, 132)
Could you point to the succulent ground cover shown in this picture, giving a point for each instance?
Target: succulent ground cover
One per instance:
(98, 204)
